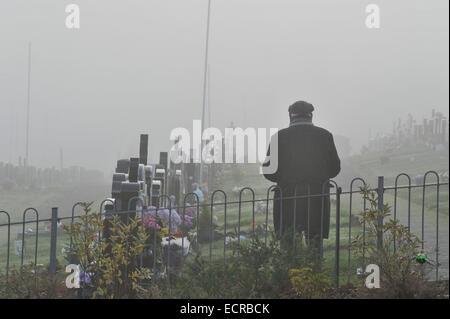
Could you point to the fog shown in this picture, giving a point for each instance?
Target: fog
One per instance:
(137, 67)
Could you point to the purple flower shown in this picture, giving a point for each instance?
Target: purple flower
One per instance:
(187, 222)
(85, 278)
(151, 222)
(165, 216)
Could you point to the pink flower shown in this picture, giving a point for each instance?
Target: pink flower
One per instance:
(150, 222)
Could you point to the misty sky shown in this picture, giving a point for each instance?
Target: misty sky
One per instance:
(136, 66)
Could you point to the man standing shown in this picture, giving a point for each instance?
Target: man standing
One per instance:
(307, 159)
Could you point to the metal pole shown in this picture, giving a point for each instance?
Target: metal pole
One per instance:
(380, 191)
(338, 237)
(205, 79)
(27, 159)
(53, 235)
(209, 95)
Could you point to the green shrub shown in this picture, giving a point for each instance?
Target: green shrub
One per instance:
(255, 270)
(401, 276)
(204, 217)
(112, 266)
(32, 282)
(309, 284)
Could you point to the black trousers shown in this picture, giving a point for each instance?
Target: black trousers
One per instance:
(305, 207)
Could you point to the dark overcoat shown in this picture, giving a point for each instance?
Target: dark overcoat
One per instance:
(307, 159)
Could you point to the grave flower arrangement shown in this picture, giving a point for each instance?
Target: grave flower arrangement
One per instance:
(188, 219)
(163, 217)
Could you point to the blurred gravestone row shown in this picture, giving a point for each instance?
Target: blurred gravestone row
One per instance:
(22, 176)
(428, 133)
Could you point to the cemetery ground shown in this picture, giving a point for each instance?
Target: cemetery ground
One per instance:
(366, 167)
(346, 276)
(16, 201)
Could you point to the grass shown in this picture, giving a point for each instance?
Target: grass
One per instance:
(64, 197)
(43, 251)
(217, 247)
(232, 225)
(367, 166)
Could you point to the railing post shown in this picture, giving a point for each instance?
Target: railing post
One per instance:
(338, 233)
(53, 235)
(380, 191)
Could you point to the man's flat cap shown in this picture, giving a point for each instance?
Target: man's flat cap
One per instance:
(301, 107)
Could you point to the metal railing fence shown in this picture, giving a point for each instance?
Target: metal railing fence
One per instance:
(341, 227)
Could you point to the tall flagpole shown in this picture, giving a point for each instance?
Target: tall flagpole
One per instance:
(205, 78)
(27, 143)
(209, 95)
(11, 130)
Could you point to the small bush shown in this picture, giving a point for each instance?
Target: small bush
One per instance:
(255, 270)
(204, 217)
(309, 284)
(111, 267)
(401, 276)
(32, 282)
